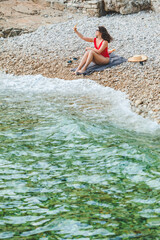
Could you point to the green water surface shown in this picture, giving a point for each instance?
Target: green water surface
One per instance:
(65, 175)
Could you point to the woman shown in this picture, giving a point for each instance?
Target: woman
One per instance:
(99, 54)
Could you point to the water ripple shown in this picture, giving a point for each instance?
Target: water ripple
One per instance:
(68, 172)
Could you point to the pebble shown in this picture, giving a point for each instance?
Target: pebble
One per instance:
(138, 102)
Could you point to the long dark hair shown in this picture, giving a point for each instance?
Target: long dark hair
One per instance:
(105, 35)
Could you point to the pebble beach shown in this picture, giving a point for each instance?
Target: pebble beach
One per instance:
(47, 51)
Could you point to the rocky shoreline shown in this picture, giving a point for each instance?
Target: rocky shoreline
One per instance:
(19, 17)
(47, 51)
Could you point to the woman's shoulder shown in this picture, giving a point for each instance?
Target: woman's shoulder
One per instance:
(105, 41)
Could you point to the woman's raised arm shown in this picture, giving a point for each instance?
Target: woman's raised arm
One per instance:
(87, 39)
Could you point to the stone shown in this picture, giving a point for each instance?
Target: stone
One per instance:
(155, 5)
(138, 102)
(102, 7)
(57, 5)
(1, 35)
(126, 7)
(25, 10)
(138, 111)
(11, 32)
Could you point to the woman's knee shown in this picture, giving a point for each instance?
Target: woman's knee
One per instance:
(86, 53)
(91, 52)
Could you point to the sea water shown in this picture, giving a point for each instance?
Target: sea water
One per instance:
(75, 162)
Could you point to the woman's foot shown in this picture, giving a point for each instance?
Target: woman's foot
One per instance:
(80, 71)
(76, 72)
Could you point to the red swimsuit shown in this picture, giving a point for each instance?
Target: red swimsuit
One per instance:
(105, 51)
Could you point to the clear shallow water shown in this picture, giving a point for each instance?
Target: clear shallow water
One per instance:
(75, 163)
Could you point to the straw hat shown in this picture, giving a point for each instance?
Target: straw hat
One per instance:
(137, 58)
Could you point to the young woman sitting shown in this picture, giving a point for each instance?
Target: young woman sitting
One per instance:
(99, 54)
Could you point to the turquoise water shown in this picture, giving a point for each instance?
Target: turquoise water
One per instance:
(75, 163)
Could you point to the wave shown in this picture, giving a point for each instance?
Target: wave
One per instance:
(83, 96)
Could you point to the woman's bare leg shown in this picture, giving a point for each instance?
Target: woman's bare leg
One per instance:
(82, 62)
(95, 57)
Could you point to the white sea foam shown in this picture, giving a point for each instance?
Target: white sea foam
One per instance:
(83, 96)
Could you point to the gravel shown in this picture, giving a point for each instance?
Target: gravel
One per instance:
(136, 33)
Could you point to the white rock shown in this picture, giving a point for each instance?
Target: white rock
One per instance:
(138, 102)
